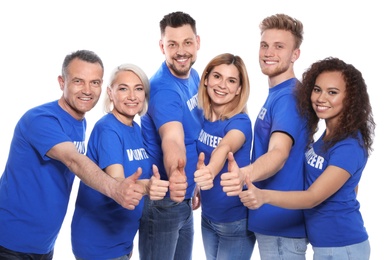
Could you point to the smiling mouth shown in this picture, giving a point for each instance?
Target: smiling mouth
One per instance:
(220, 93)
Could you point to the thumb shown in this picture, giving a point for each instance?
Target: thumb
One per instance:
(180, 166)
(248, 182)
(136, 175)
(200, 161)
(232, 165)
(156, 173)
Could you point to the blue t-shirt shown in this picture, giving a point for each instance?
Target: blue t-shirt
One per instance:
(101, 228)
(337, 221)
(173, 99)
(216, 205)
(279, 114)
(35, 189)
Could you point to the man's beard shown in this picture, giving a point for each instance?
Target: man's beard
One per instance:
(180, 71)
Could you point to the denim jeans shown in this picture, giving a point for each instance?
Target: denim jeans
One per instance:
(360, 251)
(7, 254)
(281, 248)
(227, 241)
(166, 230)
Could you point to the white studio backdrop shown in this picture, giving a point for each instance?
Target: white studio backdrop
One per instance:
(35, 36)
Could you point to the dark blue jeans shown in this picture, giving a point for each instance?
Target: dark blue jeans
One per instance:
(6, 254)
(166, 230)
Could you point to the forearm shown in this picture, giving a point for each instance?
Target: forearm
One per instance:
(288, 199)
(265, 166)
(90, 174)
(172, 152)
(217, 160)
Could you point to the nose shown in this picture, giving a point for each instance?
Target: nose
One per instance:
(87, 90)
(131, 95)
(321, 97)
(180, 50)
(269, 51)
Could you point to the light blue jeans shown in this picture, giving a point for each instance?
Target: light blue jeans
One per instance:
(360, 251)
(227, 241)
(166, 230)
(281, 248)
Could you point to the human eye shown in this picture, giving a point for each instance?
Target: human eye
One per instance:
(171, 45)
(96, 83)
(316, 89)
(263, 45)
(216, 76)
(77, 81)
(139, 88)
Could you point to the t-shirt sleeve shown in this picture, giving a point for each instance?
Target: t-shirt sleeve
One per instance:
(286, 117)
(240, 122)
(44, 132)
(166, 107)
(105, 148)
(348, 156)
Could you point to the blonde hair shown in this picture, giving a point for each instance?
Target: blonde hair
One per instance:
(108, 105)
(284, 22)
(238, 104)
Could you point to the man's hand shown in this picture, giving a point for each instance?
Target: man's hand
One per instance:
(196, 199)
(178, 183)
(129, 193)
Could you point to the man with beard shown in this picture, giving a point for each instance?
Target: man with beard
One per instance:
(170, 129)
(278, 145)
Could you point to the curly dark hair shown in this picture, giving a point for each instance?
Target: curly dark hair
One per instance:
(357, 115)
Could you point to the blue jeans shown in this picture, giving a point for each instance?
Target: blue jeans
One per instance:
(166, 230)
(281, 248)
(7, 254)
(360, 251)
(227, 241)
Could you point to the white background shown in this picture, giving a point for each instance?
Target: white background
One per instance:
(35, 36)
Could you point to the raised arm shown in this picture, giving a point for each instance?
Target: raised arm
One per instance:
(327, 184)
(122, 191)
(174, 151)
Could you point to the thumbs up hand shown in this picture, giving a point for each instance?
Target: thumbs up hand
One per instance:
(129, 192)
(233, 180)
(203, 176)
(157, 188)
(178, 183)
(253, 197)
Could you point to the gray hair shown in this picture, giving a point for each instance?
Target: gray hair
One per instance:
(144, 79)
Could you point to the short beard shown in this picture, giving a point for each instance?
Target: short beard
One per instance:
(180, 72)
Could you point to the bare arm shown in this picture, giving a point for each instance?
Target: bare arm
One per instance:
(174, 152)
(327, 184)
(172, 144)
(264, 167)
(273, 160)
(88, 172)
